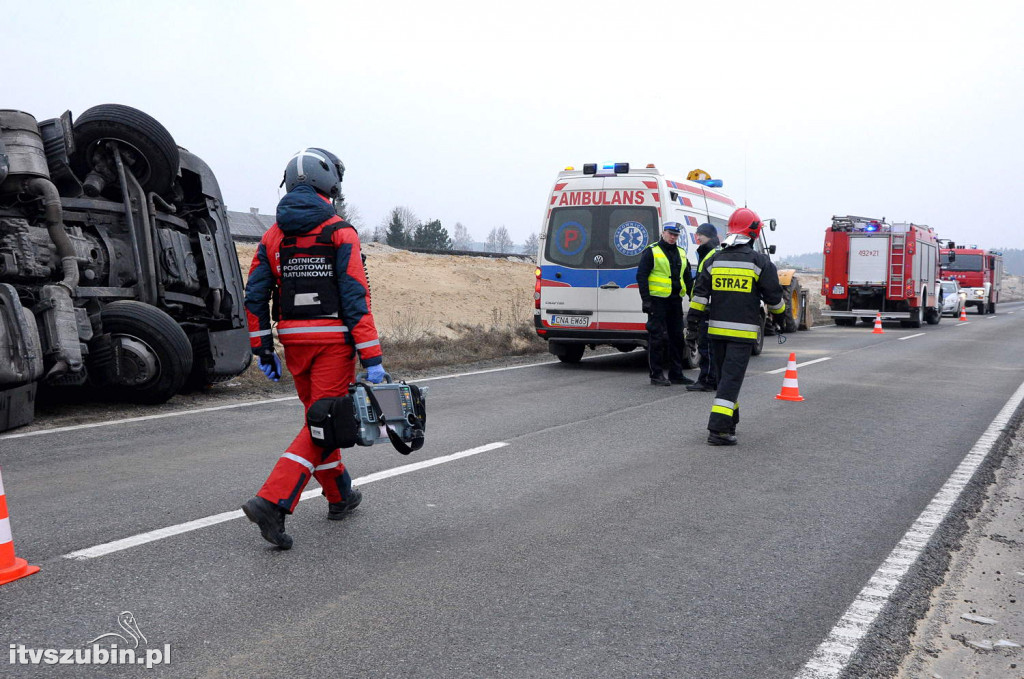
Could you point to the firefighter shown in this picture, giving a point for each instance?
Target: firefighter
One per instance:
(663, 280)
(707, 379)
(310, 264)
(728, 293)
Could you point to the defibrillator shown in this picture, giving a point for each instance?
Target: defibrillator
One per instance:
(370, 414)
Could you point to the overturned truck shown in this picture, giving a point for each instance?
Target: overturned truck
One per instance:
(117, 270)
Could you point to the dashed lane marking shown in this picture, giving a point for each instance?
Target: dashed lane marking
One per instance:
(170, 531)
(249, 404)
(911, 336)
(831, 658)
(798, 365)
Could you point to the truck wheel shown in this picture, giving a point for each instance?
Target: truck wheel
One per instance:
(759, 344)
(915, 319)
(572, 353)
(153, 354)
(932, 316)
(791, 296)
(154, 155)
(992, 308)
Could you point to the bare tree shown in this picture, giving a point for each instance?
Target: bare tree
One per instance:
(354, 217)
(498, 240)
(461, 240)
(531, 244)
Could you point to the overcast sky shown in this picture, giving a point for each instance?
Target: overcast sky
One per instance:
(465, 111)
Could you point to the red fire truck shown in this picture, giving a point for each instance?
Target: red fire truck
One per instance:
(874, 267)
(979, 273)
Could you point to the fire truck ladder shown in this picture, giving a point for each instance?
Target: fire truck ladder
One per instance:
(897, 255)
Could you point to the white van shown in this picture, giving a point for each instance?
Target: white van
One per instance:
(598, 222)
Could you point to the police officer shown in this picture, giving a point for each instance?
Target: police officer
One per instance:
(663, 276)
(728, 293)
(707, 379)
(310, 264)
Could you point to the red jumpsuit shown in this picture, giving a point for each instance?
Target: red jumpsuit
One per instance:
(319, 351)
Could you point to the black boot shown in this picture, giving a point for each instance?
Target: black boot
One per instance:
(336, 511)
(350, 498)
(721, 438)
(270, 518)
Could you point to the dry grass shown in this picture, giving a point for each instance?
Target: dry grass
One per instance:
(410, 344)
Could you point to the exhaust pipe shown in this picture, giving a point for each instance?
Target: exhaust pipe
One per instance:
(39, 186)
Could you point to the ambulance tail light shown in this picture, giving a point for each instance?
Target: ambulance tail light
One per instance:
(536, 289)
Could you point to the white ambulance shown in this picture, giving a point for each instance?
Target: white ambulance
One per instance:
(598, 221)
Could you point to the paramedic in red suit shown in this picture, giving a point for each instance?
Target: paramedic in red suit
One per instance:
(310, 264)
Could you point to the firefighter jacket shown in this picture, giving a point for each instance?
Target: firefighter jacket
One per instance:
(310, 264)
(729, 290)
(660, 272)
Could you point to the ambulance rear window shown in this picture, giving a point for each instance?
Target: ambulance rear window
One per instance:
(618, 234)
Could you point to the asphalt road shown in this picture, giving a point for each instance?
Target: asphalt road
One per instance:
(604, 539)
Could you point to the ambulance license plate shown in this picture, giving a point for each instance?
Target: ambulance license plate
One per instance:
(576, 321)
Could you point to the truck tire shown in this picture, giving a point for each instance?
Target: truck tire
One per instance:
(160, 374)
(573, 353)
(156, 159)
(759, 344)
(914, 321)
(932, 316)
(791, 296)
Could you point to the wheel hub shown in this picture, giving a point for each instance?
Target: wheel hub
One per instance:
(137, 364)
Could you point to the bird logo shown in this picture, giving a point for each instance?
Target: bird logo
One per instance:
(126, 621)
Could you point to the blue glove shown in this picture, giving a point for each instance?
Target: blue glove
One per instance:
(375, 374)
(271, 367)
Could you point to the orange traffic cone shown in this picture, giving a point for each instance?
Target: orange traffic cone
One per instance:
(11, 567)
(790, 390)
(963, 313)
(878, 325)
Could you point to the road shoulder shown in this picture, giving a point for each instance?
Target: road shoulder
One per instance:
(984, 581)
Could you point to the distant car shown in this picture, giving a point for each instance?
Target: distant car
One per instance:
(952, 298)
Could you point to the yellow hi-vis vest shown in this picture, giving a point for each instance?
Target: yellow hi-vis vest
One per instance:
(659, 283)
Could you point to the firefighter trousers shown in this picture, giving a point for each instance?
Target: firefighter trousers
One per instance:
(730, 361)
(665, 337)
(319, 371)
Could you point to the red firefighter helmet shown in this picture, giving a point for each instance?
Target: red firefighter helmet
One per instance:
(745, 221)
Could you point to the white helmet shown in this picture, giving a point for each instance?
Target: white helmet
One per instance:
(317, 168)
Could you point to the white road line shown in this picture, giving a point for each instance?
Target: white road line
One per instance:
(249, 404)
(833, 655)
(991, 318)
(169, 531)
(798, 365)
(964, 323)
(911, 336)
(107, 423)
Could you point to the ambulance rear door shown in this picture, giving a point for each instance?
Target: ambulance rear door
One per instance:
(568, 278)
(629, 220)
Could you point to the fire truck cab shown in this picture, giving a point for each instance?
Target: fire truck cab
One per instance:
(979, 273)
(873, 267)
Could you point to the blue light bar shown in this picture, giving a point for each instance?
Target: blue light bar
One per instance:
(710, 183)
